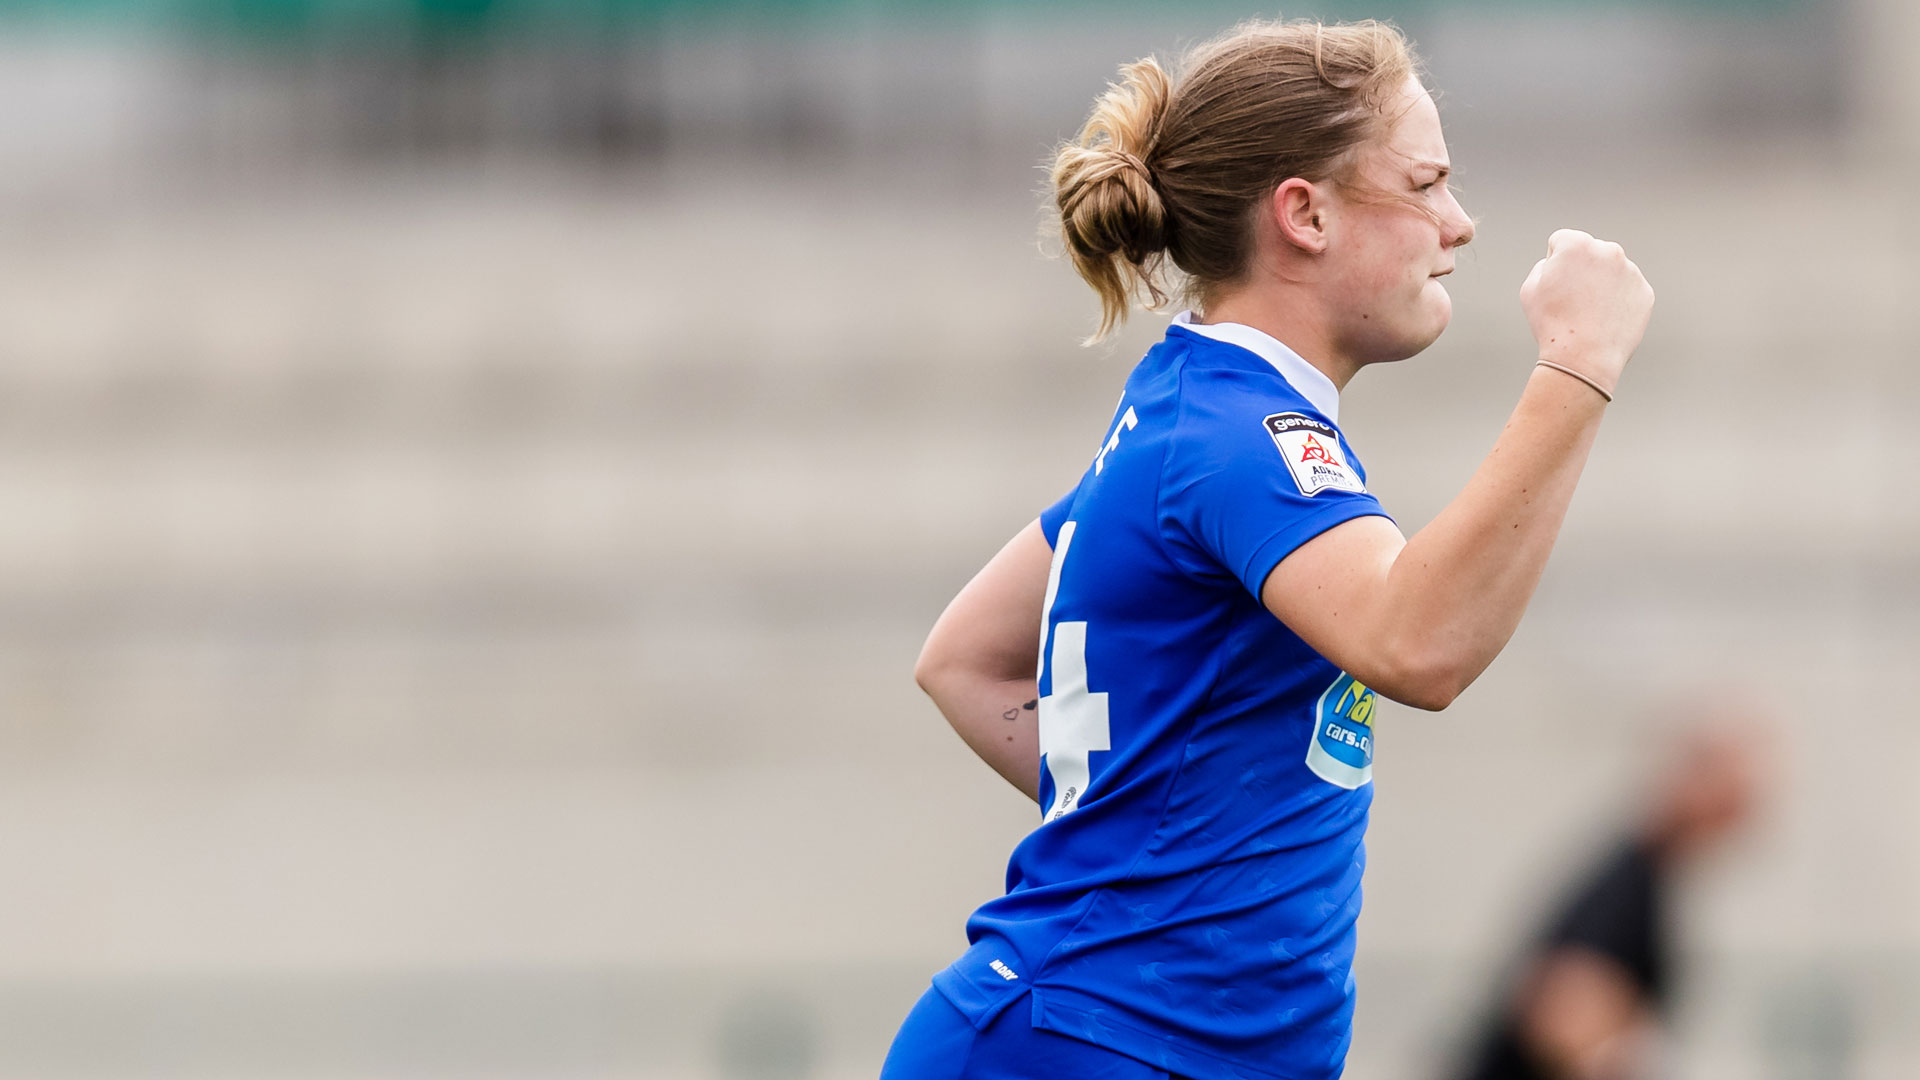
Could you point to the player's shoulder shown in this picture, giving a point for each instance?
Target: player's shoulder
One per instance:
(1221, 407)
(1218, 376)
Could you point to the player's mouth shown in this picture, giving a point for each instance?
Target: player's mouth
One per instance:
(1441, 273)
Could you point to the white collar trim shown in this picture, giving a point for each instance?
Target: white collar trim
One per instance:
(1310, 381)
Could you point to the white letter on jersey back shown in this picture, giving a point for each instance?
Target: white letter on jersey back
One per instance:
(1073, 719)
(1130, 421)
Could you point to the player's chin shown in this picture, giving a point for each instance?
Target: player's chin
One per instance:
(1438, 303)
(1436, 311)
(1429, 321)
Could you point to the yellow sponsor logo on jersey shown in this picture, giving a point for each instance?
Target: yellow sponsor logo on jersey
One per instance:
(1355, 704)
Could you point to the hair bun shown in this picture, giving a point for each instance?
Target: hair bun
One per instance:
(1112, 218)
(1133, 162)
(1109, 205)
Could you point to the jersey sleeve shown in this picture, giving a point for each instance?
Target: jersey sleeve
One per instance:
(1250, 477)
(1056, 515)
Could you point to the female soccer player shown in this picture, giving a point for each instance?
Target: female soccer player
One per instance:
(1203, 623)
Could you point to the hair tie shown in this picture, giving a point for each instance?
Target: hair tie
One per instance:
(1135, 161)
(1597, 388)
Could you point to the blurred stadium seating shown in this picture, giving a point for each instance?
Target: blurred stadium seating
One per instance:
(476, 475)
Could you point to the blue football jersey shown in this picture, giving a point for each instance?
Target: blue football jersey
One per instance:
(1190, 895)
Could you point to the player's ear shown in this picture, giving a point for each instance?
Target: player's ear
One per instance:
(1300, 210)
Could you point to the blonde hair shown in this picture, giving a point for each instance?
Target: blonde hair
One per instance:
(1169, 169)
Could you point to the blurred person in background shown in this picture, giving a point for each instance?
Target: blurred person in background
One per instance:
(1593, 991)
(1179, 660)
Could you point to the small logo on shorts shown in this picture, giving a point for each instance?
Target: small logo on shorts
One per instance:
(1002, 970)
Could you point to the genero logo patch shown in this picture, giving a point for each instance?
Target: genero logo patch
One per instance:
(1312, 451)
(1341, 750)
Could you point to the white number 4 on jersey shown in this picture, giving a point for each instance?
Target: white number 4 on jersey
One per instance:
(1073, 719)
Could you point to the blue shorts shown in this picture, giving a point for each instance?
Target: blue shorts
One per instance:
(938, 1043)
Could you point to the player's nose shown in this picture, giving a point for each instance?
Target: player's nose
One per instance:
(1459, 225)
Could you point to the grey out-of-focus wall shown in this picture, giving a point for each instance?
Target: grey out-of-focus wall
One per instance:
(471, 494)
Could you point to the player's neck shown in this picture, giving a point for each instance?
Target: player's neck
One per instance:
(1292, 324)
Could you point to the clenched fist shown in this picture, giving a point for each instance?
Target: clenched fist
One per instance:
(1588, 305)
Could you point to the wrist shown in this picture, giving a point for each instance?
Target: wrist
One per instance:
(1560, 394)
(1567, 371)
(1601, 365)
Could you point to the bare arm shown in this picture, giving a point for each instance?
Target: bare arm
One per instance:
(979, 663)
(1581, 1016)
(1420, 619)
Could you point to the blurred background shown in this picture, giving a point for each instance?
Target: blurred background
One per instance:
(475, 475)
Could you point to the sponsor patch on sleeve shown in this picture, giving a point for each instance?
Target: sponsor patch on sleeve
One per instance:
(1312, 451)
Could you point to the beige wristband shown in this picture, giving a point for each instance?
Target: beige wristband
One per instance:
(1601, 390)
